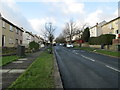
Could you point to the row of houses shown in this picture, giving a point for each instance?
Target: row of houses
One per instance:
(13, 35)
(111, 27)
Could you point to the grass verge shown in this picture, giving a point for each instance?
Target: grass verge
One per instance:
(38, 75)
(8, 59)
(106, 52)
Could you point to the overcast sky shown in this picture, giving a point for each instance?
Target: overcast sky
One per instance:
(32, 14)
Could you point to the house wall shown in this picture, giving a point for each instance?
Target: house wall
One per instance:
(18, 36)
(93, 32)
(27, 38)
(0, 32)
(9, 35)
(111, 28)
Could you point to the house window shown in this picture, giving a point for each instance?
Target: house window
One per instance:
(110, 26)
(3, 24)
(11, 28)
(10, 41)
(21, 33)
(117, 31)
(16, 41)
(20, 41)
(3, 40)
(17, 31)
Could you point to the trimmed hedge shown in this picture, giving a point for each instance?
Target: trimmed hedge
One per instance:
(105, 39)
(33, 45)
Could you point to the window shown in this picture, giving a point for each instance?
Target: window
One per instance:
(20, 41)
(17, 31)
(110, 26)
(3, 40)
(117, 31)
(11, 28)
(17, 41)
(10, 41)
(3, 24)
(21, 33)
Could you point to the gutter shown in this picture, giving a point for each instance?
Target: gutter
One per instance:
(57, 77)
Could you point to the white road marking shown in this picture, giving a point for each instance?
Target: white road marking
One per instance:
(76, 53)
(88, 58)
(112, 68)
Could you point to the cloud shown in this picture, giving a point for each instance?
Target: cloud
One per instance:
(11, 12)
(67, 6)
(99, 16)
(116, 13)
(38, 24)
(71, 7)
(94, 17)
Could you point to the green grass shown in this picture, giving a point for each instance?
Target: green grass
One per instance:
(38, 75)
(7, 59)
(106, 52)
(85, 48)
(111, 53)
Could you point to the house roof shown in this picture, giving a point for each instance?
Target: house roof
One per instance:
(29, 33)
(111, 21)
(11, 24)
(99, 24)
(8, 21)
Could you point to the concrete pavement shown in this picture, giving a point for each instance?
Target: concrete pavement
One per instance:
(11, 71)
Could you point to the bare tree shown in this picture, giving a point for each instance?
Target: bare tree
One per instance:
(48, 32)
(60, 39)
(81, 30)
(70, 29)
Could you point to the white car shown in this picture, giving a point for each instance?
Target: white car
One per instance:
(69, 45)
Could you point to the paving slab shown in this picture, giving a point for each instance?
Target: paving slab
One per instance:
(15, 69)
(23, 59)
(4, 70)
(18, 62)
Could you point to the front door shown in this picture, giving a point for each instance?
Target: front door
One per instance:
(3, 40)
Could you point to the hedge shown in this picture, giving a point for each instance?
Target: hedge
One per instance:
(33, 45)
(105, 39)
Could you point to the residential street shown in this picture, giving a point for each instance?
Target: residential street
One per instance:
(82, 69)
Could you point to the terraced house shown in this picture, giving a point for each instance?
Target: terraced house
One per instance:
(11, 34)
(111, 27)
(27, 38)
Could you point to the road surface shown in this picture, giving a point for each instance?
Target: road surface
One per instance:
(82, 69)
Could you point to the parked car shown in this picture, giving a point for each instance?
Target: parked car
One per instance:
(69, 45)
(54, 44)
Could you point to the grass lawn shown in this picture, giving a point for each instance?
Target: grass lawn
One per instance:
(8, 59)
(111, 53)
(38, 75)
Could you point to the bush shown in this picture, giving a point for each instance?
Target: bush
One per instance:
(33, 45)
(105, 39)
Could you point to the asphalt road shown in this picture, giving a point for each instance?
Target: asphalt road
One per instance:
(82, 69)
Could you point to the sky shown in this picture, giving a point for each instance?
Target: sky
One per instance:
(33, 14)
